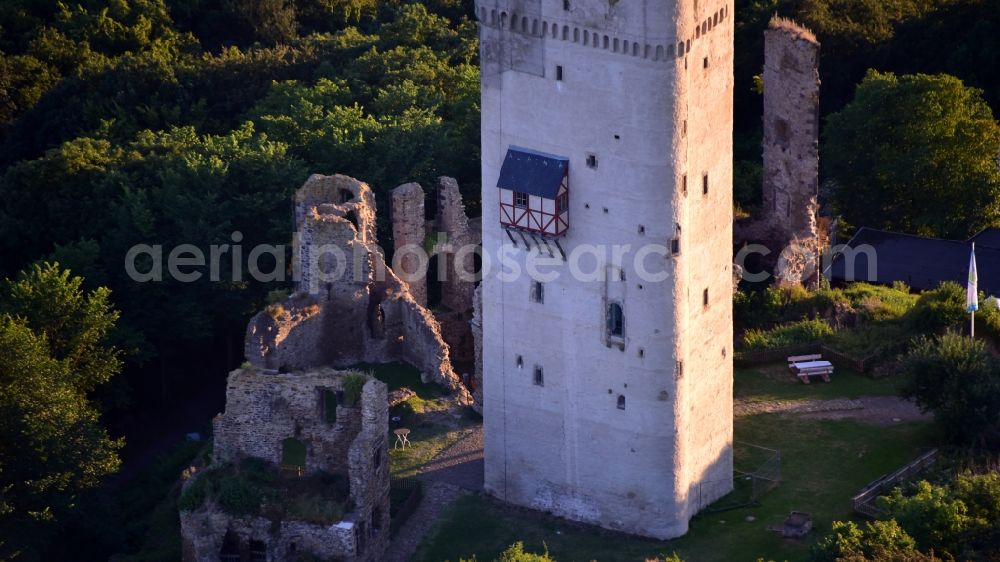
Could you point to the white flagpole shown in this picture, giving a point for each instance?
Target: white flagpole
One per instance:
(972, 292)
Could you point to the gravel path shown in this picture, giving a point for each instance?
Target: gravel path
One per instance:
(437, 497)
(459, 464)
(877, 410)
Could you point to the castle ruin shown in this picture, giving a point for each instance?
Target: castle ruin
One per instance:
(307, 425)
(349, 306)
(788, 221)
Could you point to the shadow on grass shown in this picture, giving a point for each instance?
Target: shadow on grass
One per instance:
(823, 464)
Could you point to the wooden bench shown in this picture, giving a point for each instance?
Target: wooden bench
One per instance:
(802, 359)
(823, 372)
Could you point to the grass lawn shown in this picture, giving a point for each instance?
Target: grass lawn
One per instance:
(398, 375)
(425, 443)
(429, 434)
(774, 382)
(823, 464)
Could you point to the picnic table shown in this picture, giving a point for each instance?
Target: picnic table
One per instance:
(805, 366)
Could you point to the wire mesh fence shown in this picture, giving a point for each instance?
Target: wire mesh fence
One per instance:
(756, 471)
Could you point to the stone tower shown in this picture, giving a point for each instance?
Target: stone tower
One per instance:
(607, 153)
(791, 147)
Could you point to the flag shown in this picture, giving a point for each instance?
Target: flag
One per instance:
(971, 290)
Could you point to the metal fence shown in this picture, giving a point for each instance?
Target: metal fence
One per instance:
(864, 501)
(756, 471)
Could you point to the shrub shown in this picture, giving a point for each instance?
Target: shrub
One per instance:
(803, 331)
(276, 296)
(194, 494)
(237, 496)
(256, 471)
(849, 541)
(932, 514)
(877, 303)
(354, 383)
(956, 379)
(938, 309)
(516, 553)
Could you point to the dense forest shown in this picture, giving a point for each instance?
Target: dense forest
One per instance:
(126, 122)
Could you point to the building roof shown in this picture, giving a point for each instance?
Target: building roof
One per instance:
(920, 262)
(533, 172)
(987, 238)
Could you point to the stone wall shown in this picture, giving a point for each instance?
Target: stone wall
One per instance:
(790, 148)
(351, 307)
(408, 229)
(335, 210)
(451, 220)
(477, 336)
(264, 408)
(458, 285)
(205, 531)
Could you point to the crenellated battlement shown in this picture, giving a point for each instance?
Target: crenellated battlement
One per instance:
(625, 44)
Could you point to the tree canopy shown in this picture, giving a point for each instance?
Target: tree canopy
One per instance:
(53, 352)
(915, 153)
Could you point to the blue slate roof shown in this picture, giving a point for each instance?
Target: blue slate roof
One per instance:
(920, 262)
(530, 171)
(987, 238)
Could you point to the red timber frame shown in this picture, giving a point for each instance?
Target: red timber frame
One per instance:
(532, 217)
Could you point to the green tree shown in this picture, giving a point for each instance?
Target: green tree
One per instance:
(270, 21)
(956, 379)
(960, 517)
(75, 324)
(52, 445)
(848, 541)
(915, 153)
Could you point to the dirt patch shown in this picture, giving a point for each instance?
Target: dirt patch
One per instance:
(876, 410)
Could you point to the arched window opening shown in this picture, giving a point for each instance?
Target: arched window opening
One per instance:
(621, 402)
